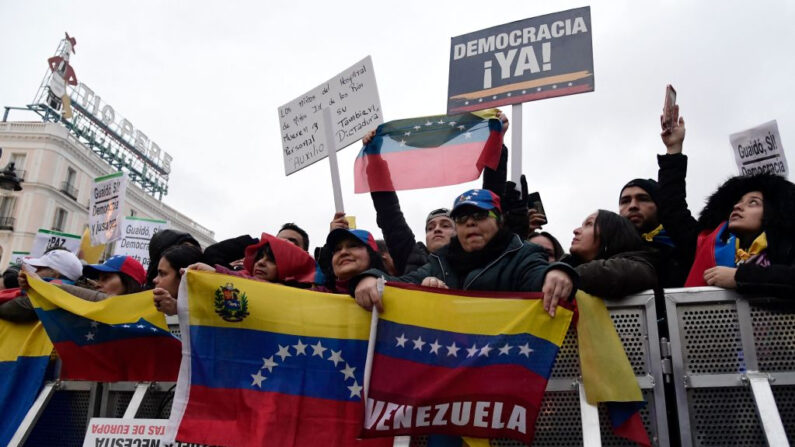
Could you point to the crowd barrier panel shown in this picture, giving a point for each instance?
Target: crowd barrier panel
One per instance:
(725, 354)
(733, 365)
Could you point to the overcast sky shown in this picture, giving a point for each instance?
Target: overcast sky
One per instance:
(204, 80)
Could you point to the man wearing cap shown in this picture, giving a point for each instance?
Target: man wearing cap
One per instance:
(639, 203)
(483, 255)
(57, 265)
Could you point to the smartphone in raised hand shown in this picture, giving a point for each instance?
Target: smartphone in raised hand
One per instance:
(534, 201)
(668, 108)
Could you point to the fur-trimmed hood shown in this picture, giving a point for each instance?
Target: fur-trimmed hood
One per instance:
(778, 221)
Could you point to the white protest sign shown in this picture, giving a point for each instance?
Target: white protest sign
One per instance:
(47, 240)
(104, 208)
(111, 432)
(136, 234)
(18, 256)
(759, 150)
(351, 96)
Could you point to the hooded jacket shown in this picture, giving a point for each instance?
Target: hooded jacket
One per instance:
(293, 264)
(698, 236)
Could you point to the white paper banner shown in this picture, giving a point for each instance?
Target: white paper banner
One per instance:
(111, 432)
(136, 234)
(47, 240)
(352, 96)
(759, 150)
(105, 207)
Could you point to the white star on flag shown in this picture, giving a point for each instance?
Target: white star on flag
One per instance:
(401, 341)
(153, 329)
(484, 351)
(126, 326)
(468, 135)
(402, 142)
(348, 371)
(90, 336)
(318, 349)
(472, 351)
(435, 347)
(336, 357)
(140, 326)
(418, 343)
(525, 350)
(94, 324)
(429, 123)
(417, 127)
(505, 350)
(452, 123)
(356, 389)
(268, 363)
(462, 127)
(452, 350)
(441, 121)
(258, 378)
(300, 348)
(284, 352)
(406, 134)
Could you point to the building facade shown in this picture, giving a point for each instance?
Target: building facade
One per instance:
(58, 172)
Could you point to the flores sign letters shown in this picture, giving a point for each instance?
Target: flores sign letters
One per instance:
(522, 61)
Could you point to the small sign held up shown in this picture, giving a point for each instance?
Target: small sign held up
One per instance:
(759, 149)
(137, 232)
(47, 240)
(104, 208)
(352, 97)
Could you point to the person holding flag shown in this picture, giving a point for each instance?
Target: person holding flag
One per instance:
(482, 255)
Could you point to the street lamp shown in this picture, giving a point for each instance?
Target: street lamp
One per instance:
(9, 180)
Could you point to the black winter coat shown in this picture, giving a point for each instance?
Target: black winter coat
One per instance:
(616, 277)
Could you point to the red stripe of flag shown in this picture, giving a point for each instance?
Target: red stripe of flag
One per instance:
(130, 359)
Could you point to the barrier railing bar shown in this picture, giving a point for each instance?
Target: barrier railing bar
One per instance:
(402, 441)
(135, 401)
(747, 334)
(591, 434)
(679, 374)
(655, 370)
(36, 410)
(767, 409)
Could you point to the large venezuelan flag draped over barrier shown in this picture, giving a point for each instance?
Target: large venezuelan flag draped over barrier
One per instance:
(606, 372)
(24, 353)
(122, 338)
(451, 363)
(429, 151)
(266, 364)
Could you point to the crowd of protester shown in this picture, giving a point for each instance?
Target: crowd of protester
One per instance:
(490, 239)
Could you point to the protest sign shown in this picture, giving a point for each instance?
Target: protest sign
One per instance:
(351, 96)
(136, 234)
(526, 60)
(110, 432)
(18, 256)
(105, 205)
(47, 240)
(759, 150)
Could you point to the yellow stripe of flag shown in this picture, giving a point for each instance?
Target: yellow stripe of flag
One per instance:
(114, 310)
(277, 308)
(484, 316)
(23, 340)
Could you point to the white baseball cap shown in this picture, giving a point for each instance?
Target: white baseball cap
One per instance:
(62, 261)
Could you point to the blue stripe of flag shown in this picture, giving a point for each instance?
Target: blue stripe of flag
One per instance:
(231, 358)
(63, 326)
(438, 348)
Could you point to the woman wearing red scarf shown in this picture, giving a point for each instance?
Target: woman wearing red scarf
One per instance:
(743, 238)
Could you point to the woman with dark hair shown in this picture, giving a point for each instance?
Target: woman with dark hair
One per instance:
(352, 253)
(610, 258)
(170, 267)
(482, 255)
(743, 238)
(549, 243)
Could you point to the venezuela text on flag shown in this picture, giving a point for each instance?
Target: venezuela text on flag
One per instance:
(266, 364)
(121, 338)
(24, 353)
(429, 151)
(451, 362)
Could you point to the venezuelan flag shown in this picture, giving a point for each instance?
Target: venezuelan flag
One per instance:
(122, 338)
(429, 151)
(24, 354)
(266, 364)
(452, 362)
(606, 372)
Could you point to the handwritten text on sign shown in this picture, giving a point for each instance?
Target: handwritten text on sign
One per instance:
(104, 208)
(759, 150)
(47, 240)
(352, 96)
(136, 235)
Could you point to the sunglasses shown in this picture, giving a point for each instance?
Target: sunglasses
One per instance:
(477, 216)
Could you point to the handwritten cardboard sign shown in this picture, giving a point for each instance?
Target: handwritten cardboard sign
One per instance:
(104, 208)
(759, 149)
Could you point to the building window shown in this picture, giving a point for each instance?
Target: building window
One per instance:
(59, 222)
(7, 213)
(68, 187)
(133, 213)
(19, 165)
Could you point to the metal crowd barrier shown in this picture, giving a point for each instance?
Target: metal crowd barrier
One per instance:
(733, 367)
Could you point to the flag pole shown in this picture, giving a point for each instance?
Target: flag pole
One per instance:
(331, 149)
(516, 143)
(368, 364)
